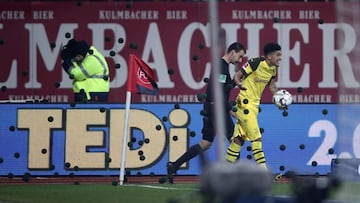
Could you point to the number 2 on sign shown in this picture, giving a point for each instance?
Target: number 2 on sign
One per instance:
(328, 129)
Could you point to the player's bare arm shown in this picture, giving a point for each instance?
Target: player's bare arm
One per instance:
(272, 86)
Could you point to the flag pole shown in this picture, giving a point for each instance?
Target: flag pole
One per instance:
(125, 135)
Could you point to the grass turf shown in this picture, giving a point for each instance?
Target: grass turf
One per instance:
(134, 193)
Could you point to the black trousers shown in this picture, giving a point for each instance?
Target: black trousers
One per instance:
(209, 123)
(96, 97)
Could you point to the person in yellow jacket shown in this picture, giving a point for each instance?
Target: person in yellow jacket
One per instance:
(89, 71)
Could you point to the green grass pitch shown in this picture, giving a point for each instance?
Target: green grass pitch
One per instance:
(107, 192)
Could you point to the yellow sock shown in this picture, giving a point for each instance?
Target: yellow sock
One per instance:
(233, 152)
(258, 153)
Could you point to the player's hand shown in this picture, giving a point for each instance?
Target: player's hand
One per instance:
(241, 87)
(284, 108)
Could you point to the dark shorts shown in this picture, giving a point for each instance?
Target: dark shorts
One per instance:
(95, 97)
(209, 123)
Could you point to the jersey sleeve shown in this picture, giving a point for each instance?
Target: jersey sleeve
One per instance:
(251, 65)
(246, 69)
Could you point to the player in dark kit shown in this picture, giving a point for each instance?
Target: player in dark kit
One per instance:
(234, 54)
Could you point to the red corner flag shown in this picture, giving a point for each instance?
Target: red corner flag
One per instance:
(140, 77)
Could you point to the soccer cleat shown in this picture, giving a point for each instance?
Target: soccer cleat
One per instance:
(277, 177)
(170, 172)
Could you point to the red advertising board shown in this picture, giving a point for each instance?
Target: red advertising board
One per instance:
(173, 39)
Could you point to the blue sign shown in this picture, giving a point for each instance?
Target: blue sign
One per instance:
(87, 139)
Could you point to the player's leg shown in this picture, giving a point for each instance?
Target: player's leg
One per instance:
(233, 151)
(258, 153)
(237, 141)
(229, 126)
(193, 151)
(251, 127)
(206, 142)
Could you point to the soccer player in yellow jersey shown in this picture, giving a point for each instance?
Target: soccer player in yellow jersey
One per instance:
(252, 79)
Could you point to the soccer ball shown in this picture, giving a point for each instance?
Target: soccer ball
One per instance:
(282, 98)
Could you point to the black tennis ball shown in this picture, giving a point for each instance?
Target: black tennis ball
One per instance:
(25, 72)
(201, 46)
(162, 180)
(314, 163)
(171, 71)
(44, 151)
(324, 111)
(114, 183)
(133, 46)
(282, 147)
(299, 89)
(67, 35)
(158, 127)
(3, 88)
(200, 97)
(12, 128)
(50, 119)
(285, 113)
(17, 155)
(261, 130)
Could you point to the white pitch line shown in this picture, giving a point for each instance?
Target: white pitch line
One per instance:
(158, 187)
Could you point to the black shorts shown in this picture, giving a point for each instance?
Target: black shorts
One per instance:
(209, 123)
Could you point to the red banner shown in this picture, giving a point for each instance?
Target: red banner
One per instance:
(173, 39)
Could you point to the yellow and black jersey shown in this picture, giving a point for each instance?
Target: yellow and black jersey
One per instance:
(256, 75)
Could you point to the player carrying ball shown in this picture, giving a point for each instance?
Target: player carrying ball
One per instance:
(252, 79)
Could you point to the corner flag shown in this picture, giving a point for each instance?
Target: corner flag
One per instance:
(142, 81)
(140, 77)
